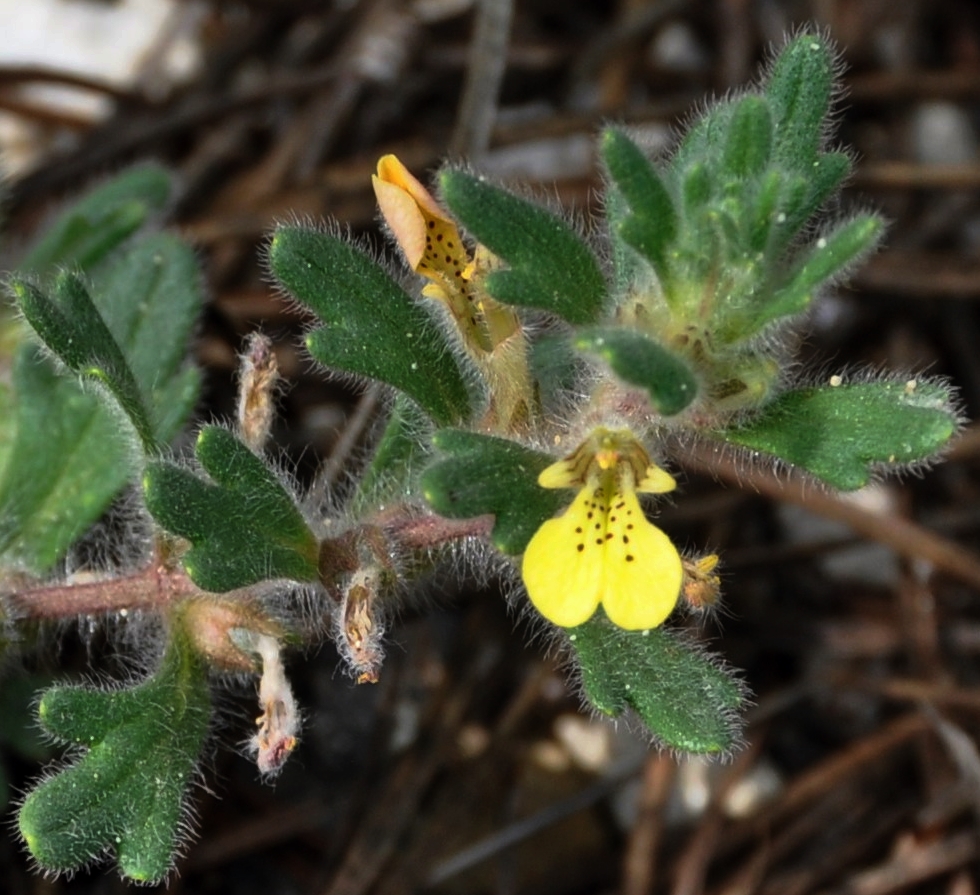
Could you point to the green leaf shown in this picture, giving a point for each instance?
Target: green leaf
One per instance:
(8, 423)
(704, 142)
(482, 475)
(638, 360)
(244, 527)
(687, 699)
(89, 230)
(749, 144)
(551, 267)
(802, 197)
(151, 298)
(652, 224)
(70, 325)
(371, 326)
(826, 258)
(66, 464)
(799, 91)
(127, 791)
(841, 433)
(69, 457)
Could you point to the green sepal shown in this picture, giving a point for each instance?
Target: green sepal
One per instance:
(126, 793)
(687, 699)
(550, 266)
(638, 360)
(70, 325)
(83, 235)
(799, 89)
(244, 525)
(749, 143)
(651, 225)
(842, 433)
(371, 325)
(485, 475)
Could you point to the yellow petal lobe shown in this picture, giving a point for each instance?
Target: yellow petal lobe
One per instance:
(642, 570)
(423, 230)
(656, 481)
(404, 218)
(563, 565)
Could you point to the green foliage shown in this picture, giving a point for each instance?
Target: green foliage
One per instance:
(85, 233)
(550, 265)
(399, 450)
(714, 249)
(484, 475)
(687, 699)
(65, 466)
(8, 422)
(841, 433)
(721, 223)
(69, 457)
(244, 526)
(650, 224)
(370, 325)
(126, 793)
(638, 360)
(70, 325)
(799, 91)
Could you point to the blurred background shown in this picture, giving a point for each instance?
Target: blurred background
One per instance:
(468, 768)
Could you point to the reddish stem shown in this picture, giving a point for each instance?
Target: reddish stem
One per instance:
(154, 587)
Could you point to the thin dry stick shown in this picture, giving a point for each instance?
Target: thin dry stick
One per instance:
(334, 464)
(691, 869)
(639, 865)
(487, 64)
(831, 772)
(915, 175)
(37, 74)
(906, 869)
(904, 536)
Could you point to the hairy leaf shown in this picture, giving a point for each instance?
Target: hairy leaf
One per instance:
(550, 265)
(841, 433)
(799, 90)
(84, 234)
(482, 475)
(69, 457)
(371, 326)
(70, 325)
(651, 224)
(125, 794)
(688, 700)
(244, 525)
(638, 360)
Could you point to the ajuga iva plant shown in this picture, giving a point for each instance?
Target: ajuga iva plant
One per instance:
(539, 382)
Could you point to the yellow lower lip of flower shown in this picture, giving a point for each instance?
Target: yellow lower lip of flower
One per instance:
(603, 551)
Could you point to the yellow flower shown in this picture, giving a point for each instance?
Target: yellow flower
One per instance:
(603, 549)
(433, 248)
